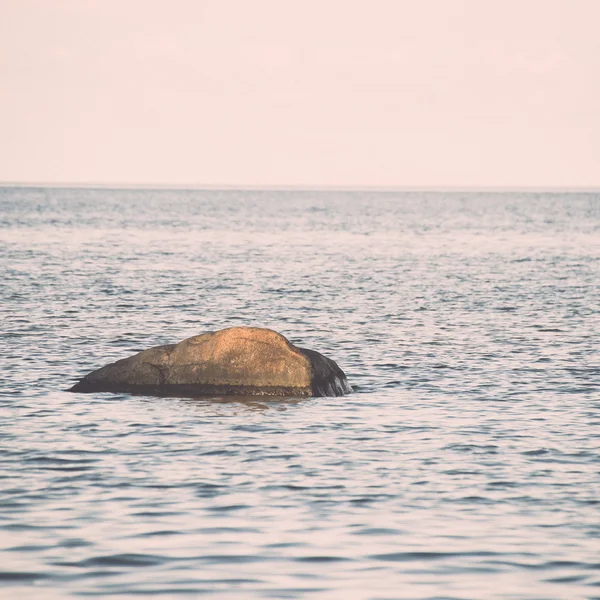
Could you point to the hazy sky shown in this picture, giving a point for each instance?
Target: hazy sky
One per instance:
(301, 92)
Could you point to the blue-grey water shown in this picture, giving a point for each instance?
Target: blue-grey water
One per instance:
(466, 465)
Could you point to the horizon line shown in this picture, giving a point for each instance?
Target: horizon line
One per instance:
(295, 187)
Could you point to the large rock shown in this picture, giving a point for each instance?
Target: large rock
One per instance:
(236, 361)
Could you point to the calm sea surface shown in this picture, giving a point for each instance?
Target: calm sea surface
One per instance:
(465, 466)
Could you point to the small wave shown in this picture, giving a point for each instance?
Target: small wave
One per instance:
(414, 556)
(321, 559)
(21, 576)
(118, 560)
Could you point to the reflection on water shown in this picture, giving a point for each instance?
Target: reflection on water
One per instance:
(255, 403)
(464, 466)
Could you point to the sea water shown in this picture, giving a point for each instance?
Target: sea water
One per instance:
(465, 465)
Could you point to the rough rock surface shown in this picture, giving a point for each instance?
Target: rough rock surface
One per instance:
(238, 361)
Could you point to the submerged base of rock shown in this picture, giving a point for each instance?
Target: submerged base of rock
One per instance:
(240, 361)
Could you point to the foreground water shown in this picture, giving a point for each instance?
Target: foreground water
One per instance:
(466, 465)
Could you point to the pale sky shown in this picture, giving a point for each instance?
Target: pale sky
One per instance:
(301, 92)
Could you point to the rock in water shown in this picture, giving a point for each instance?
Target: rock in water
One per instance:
(244, 361)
